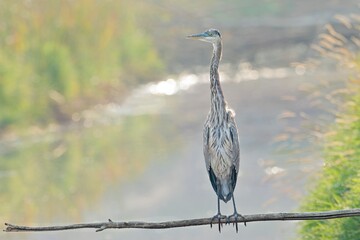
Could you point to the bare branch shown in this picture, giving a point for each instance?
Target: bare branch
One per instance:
(192, 222)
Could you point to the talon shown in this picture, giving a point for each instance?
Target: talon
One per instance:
(237, 217)
(218, 217)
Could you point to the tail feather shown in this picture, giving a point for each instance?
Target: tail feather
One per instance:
(225, 191)
(225, 188)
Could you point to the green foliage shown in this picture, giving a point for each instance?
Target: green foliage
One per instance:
(338, 187)
(56, 55)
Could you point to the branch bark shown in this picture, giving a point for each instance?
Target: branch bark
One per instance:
(191, 222)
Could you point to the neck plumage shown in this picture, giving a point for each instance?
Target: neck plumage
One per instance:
(218, 105)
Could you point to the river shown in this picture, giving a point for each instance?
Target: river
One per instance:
(142, 160)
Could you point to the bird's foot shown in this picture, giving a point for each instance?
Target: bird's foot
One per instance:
(217, 217)
(236, 217)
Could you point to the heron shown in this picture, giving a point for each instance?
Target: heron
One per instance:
(220, 134)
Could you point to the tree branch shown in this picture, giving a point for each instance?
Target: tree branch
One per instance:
(192, 222)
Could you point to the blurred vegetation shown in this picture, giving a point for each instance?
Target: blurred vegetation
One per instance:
(249, 8)
(57, 57)
(338, 186)
(69, 172)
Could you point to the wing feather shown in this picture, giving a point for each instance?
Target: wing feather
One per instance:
(235, 139)
(206, 147)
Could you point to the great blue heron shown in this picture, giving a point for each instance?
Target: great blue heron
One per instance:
(220, 134)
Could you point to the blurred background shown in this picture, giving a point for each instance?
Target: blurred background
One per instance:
(102, 105)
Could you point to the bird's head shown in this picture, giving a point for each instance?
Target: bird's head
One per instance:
(211, 36)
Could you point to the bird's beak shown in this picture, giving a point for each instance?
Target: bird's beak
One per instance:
(198, 36)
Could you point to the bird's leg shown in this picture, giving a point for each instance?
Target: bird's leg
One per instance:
(236, 215)
(218, 216)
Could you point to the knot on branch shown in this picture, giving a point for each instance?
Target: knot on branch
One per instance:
(105, 226)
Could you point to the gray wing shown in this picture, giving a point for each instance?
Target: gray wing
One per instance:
(234, 139)
(206, 147)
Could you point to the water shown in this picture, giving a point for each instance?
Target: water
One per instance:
(142, 160)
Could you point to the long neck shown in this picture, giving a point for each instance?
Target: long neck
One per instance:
(218, 105)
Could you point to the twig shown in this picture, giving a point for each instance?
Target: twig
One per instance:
(191, 222)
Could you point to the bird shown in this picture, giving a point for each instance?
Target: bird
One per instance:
(220, 134)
